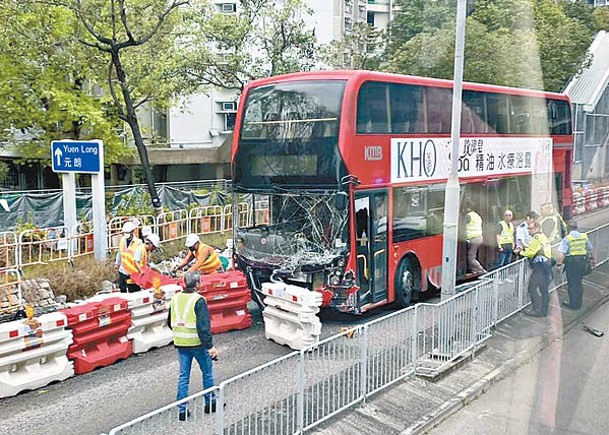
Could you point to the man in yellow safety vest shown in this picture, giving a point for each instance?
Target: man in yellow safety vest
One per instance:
(574, 252)
(473, 235)
(124, 262)
(539, 252)
(505, 239)
(552, 223)
(189, 319)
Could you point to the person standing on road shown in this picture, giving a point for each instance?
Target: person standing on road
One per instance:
(523, 237)
(473, 235)
(124, 262)
(574, 252)
(189, 319)
(552, 223)
(505, 239)
(206, 258)
(539, 252)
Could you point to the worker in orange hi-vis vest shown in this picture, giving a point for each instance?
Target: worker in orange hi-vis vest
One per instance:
(141, 255)
(124, 262)
(206, 258)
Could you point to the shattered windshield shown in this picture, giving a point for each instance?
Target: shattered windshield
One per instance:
(298, 231)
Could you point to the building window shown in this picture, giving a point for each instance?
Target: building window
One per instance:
(229, 121)
(228, 8)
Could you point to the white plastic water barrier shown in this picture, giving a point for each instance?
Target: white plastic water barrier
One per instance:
(290, 315)
(148, 316)
(33, 353)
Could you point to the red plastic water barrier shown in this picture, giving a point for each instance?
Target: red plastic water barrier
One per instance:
(152, 278)
(99, 333)
(227, 296)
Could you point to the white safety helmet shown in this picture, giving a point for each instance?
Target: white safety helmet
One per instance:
(191, 240)
(146, 231)
(154, 239)
(128, 227)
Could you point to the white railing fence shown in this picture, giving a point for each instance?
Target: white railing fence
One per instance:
(298, 391)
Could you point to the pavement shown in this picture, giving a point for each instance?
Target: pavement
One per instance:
(416, 405)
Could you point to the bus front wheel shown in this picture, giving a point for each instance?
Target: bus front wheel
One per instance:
(406, 283)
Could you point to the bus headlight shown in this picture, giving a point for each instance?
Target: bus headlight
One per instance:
(334, 280)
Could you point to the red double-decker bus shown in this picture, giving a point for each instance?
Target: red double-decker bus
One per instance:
(347, 170)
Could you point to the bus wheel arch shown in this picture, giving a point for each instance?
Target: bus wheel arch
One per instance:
(407, 280)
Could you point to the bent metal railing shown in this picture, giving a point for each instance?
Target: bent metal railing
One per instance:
(305, 388)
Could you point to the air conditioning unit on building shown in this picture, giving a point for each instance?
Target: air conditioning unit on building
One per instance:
(228, 8)
(229, 106)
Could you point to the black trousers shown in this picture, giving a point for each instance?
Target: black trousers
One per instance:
(126, 287)
(574, 268)
(538, 287)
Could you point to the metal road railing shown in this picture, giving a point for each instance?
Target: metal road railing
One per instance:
(305, 388)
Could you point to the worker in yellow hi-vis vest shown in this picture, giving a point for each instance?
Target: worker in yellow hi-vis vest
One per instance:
(189, 320)
(575, 252)
(505, 239)
(473, 235)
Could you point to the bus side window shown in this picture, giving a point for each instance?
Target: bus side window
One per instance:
(474, 113)
(498, 111)
(438, 101)
(435, 210)
(372, 108)
(406, 102)
(520, 122)
(409, 217)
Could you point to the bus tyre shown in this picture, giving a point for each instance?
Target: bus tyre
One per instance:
(405, 283)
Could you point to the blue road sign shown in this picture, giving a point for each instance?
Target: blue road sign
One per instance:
(75, 156)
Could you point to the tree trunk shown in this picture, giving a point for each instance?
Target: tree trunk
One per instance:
(132, 120)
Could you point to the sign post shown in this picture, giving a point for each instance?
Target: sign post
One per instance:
(83, 157)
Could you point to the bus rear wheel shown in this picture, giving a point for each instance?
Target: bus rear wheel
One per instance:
(405, 283)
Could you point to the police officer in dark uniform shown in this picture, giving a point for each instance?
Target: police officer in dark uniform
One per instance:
(539, 253)
(573, 252)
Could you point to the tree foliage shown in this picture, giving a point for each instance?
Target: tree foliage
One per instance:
(46, 84)
(360, 48)
(525, 43)
(262, 40)
(137, 40)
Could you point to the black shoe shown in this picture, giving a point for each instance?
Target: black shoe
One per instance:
(211, 408)
(532, 313)
(184, 415)
(567, 305)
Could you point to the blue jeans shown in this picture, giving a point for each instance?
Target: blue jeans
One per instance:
(185, 355)
(504, 257)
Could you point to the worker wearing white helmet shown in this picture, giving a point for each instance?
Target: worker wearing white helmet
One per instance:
(125, 263)
(146, 231)
(206, 258)
(141, 254)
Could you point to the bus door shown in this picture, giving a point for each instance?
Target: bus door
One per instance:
(371, 241)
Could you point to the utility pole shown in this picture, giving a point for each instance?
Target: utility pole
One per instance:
(452, 193)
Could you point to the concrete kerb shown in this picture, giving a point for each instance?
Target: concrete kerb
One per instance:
(466, 396)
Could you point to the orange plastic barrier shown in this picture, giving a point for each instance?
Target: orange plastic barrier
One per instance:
(99, 333)
(227, 296)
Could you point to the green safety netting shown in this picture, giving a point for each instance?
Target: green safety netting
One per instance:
(46, 209)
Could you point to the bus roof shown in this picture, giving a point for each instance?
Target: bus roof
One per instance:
(364, 75)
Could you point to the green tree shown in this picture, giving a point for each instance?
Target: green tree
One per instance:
(524, 43)
(261, 40)
(45, 91)
(139, 42)
(360, 48)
